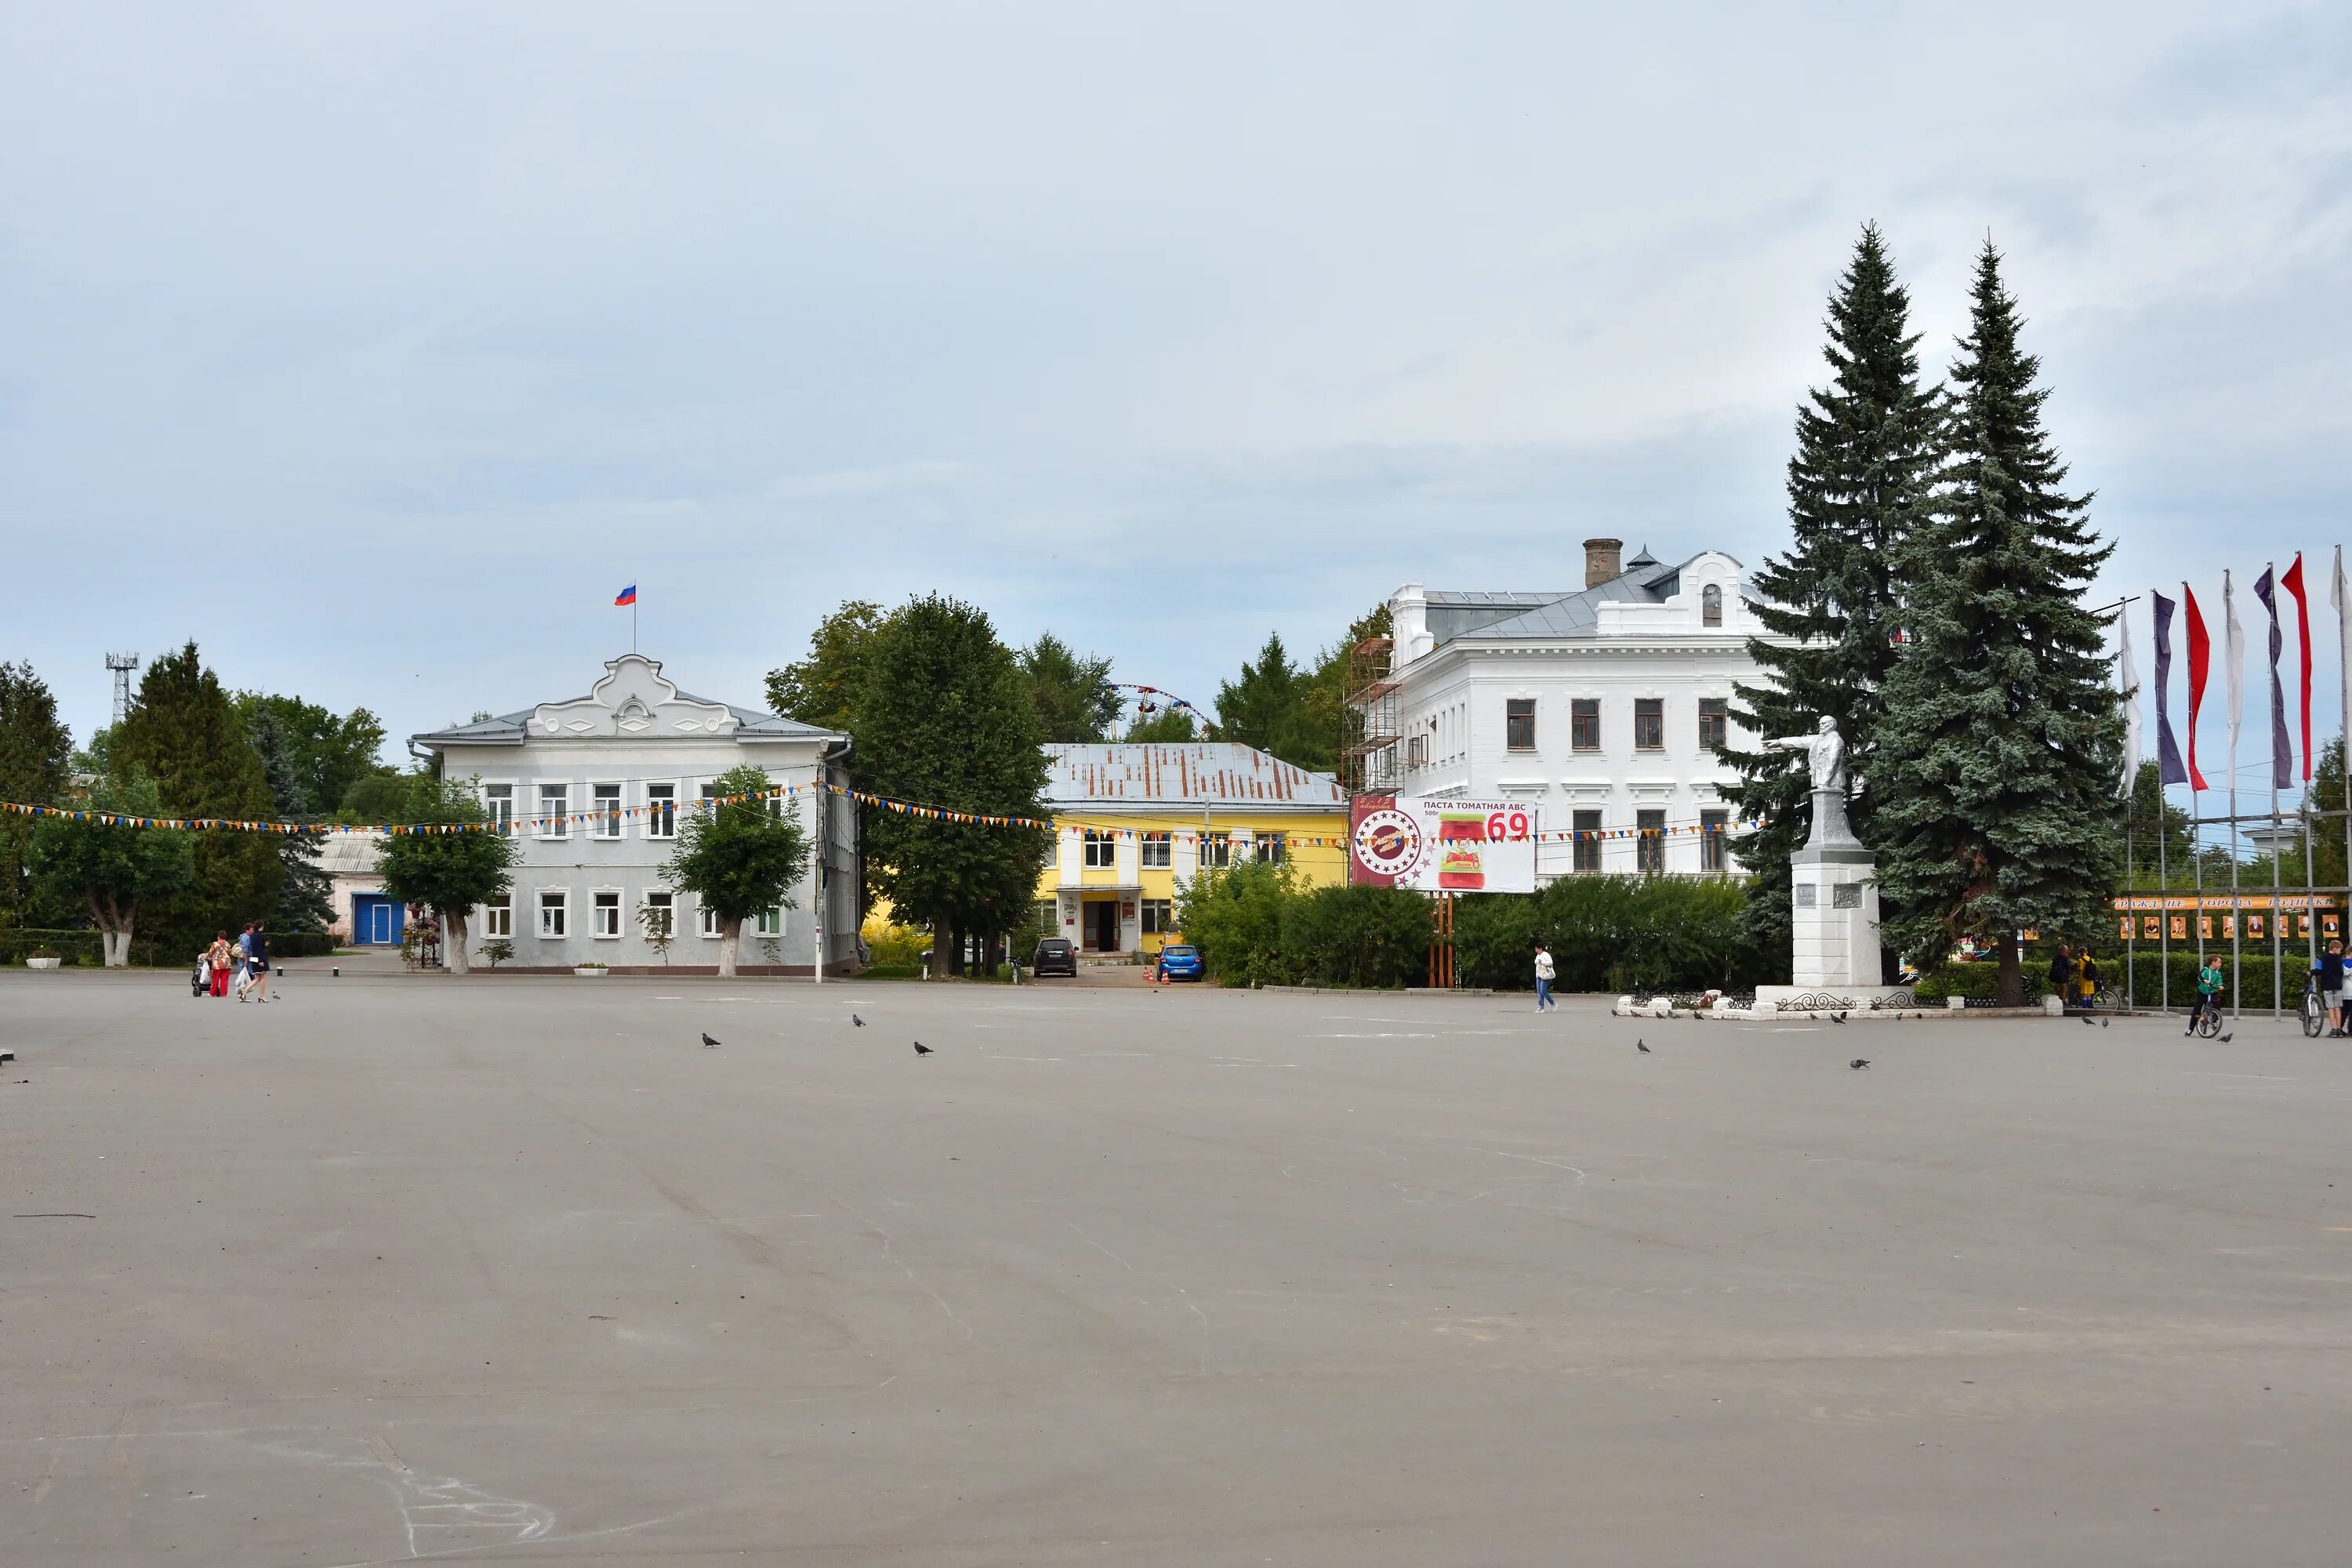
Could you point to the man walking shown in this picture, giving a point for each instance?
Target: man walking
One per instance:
(2330, 970)
(1543, 979)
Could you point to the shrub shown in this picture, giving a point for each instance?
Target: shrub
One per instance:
(1613, 933)
(1235, 918)
(1357, 936)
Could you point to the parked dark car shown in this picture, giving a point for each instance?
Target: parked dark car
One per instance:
(1054, 955)
(1181, 961)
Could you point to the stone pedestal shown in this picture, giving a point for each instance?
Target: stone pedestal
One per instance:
(1834, 916)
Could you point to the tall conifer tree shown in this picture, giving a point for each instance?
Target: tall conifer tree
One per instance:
(184, 733)
(34, 747)
(1994, 792)
(1860, 486)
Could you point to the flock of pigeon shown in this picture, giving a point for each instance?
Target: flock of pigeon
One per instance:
(710, 1044)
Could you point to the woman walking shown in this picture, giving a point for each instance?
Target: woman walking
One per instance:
(258, 958)
(217, 958)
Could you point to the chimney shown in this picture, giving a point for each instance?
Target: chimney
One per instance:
(1601, 561)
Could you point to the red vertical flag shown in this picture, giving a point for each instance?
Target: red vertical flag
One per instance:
(2200, 657)
(2292, 581)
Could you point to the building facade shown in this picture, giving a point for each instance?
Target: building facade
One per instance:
(591, 788)
(1598, 708)
(1134, 824)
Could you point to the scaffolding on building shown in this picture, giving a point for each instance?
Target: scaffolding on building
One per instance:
(1367, 747)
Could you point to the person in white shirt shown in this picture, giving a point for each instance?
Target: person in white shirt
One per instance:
(1543, 979)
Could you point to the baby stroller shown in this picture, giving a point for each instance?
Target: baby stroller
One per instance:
(202, 980)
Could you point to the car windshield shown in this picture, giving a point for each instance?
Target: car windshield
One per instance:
(1053, 943)
(1179, 952)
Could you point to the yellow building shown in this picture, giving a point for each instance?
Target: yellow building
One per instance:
(1135, 823)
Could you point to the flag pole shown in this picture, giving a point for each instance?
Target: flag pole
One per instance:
(2234, 649)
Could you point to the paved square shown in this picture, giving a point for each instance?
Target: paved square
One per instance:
(515, 1270)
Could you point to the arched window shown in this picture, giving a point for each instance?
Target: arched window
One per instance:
(1711, 605)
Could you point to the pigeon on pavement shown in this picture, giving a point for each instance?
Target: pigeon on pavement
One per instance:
(2227, 1037)
(1837, 1017)
(857, 1020)
(709, 1044)
(1641, 1048)
(1858, 1063)
(921, 1049)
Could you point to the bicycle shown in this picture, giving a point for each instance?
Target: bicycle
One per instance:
(2314, 1016)
(2209, 1019)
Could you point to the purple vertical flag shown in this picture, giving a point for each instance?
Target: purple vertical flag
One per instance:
(2168, 751)
(2281, 749)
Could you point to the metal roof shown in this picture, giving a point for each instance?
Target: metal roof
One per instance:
(1486, 614)
(1186, 774)
(749, 723)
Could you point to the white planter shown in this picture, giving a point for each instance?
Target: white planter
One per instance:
(43, 963)
(590, 970)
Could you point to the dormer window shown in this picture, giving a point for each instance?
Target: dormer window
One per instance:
(1710, 602)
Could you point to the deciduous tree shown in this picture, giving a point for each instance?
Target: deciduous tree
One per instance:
(448, 872)
(115, 870)
(739, 856)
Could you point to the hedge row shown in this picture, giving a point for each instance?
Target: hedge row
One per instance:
(1255, 926)
(79, 947)
(1609, 933)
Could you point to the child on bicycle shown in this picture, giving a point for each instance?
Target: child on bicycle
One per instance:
(2209, 993)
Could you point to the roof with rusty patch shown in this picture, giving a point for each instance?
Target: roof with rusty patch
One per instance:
(1186, 775)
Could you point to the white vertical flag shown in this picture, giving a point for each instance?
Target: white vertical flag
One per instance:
(2127, 692)
(2234, 636)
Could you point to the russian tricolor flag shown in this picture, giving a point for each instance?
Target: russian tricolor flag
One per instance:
(628, 595)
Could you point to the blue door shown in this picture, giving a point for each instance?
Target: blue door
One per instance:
(375, 920)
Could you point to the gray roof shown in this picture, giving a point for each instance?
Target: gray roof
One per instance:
(1188, 773)
(1555, 615)
(749, 723)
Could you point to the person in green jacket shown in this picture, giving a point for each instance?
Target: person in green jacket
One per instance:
(2209, 993)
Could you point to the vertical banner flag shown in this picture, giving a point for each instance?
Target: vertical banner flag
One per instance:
(2201, 657)
(2128, 689)
(2169, 770)
(2339, 597)
(2293, 584)
(2281, 749)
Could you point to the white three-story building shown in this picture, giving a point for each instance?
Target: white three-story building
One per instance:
(1598, 706)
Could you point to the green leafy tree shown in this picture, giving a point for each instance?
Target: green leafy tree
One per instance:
(822, 690)
(1164, 724)
(115, 870)
(2326, 794)
(1860, 486)
(943, 716)
(305, 895)
(184, 731)
(377, 798)
(448, 871)
(321, 754)
(1328, 725)
(1265, 706)
(2000, 740)
(2153, 825)
(740, 859)
(1072, 692)
(35, 750)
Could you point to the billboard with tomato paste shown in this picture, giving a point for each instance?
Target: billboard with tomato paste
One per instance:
(1444, 846)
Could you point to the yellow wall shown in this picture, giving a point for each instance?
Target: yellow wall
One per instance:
(1314, 865)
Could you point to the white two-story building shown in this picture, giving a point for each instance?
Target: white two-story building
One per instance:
(591, 789)
(1598, 707)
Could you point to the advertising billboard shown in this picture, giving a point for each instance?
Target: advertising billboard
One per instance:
(1444, 846)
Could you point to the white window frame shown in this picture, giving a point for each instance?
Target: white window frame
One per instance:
(497, 917)
(1269, 848)
(609, 811)
(661, 808)
(707, 919)
(1157, 853)
(597, 908)
(554, 824)
(503, 825)
(1098, 851)
(1158, 916)
(771, 923)
(562, 908)
(1224, 844)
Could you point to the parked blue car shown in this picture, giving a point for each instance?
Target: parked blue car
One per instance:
(1181, 961)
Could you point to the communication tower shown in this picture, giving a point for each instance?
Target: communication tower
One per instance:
(123, 666)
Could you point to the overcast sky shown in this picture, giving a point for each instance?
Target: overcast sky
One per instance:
(377, 348)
